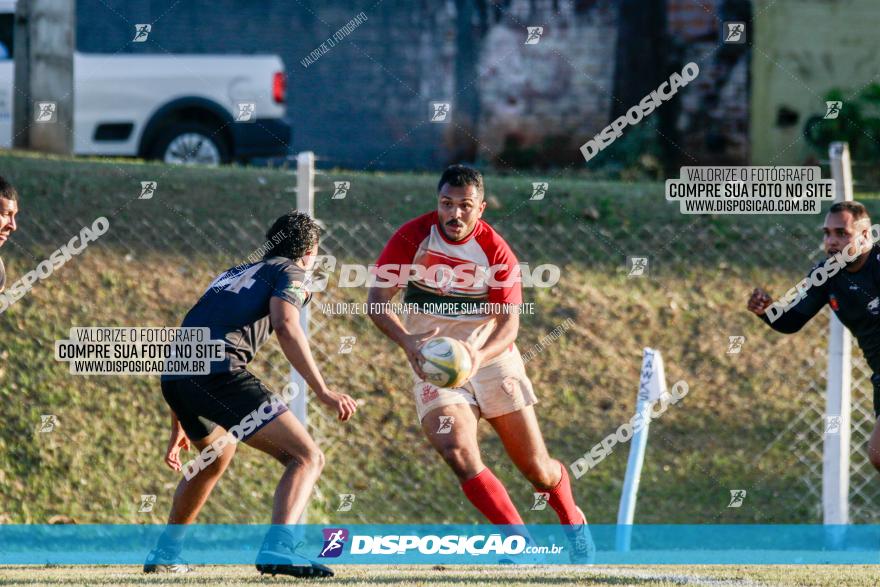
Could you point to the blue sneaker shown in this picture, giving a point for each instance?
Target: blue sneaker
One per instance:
(583, 550)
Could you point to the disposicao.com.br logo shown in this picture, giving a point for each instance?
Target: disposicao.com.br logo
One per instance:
(450, 544)
(334, 542)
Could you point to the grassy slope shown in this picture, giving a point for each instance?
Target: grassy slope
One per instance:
(160, 253)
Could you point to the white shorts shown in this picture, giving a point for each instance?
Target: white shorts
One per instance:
(500, 387)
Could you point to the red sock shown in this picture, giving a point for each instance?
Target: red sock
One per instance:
(488, 495)
(562, 501)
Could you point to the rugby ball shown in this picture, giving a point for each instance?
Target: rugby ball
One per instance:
(447, 361)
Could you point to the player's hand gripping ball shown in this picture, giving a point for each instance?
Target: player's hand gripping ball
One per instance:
(447, 361)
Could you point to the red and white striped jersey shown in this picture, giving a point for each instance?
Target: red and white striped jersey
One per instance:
(454, 279)
(479, 268)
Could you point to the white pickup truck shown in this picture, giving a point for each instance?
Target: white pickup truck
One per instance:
(206, 109)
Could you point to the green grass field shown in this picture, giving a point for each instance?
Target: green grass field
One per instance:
(161, 253)
(653, 576)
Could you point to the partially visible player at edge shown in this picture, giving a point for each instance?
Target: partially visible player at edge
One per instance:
(498, 388)
(242, 307)
(8, 211)
(853, 294)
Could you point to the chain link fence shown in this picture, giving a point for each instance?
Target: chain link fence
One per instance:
(739, 253)
(688, 304)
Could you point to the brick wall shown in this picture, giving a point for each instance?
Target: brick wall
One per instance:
(714, 118)
(552, 95)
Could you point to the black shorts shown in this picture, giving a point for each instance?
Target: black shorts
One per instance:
(231, 399)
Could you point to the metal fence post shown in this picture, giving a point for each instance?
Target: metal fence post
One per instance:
(836, 447)
(305, 202)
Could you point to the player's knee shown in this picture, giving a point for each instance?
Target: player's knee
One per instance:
(218, 465)
(462, 460)
(209, 476)
(311, 459)
(317, 459)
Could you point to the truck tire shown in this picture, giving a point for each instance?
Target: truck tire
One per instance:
(190, 143)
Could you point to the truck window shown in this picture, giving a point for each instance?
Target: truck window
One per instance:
(7, 22)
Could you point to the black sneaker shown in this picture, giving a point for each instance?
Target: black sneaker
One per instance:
(161, 560)
(583, 550)
(280, 558)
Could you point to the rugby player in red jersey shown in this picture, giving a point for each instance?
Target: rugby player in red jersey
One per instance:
(455, 239)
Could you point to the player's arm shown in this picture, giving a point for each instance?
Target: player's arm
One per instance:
(504, 335)
(793, 319)
(505, 298)
(177, 442)
(284, 318)
(379, 311)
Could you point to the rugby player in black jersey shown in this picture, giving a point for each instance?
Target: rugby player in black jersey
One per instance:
(242, 307)
(853, 293)
(8, 210)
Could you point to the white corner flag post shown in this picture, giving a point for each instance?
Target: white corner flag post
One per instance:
(652, 384)
(836, 426)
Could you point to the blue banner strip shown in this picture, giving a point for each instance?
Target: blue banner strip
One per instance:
(451, 544)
